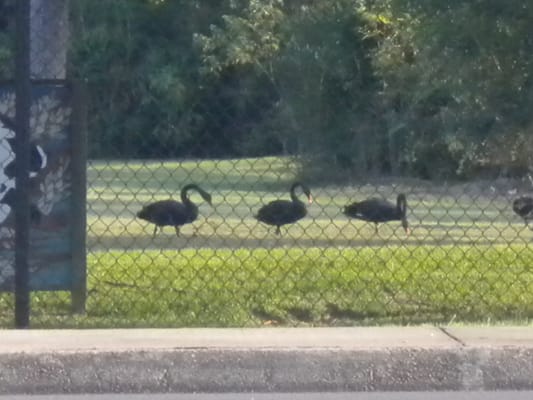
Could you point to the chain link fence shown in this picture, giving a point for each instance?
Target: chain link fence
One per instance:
(216, 213)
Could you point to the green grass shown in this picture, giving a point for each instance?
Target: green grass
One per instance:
(468, 258)
(299, 287)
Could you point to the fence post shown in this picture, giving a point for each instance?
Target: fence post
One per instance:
(79, 194)
(22, 151)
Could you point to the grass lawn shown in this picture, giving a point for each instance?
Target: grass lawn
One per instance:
(304, 287)
(468, 258)
(438, 214)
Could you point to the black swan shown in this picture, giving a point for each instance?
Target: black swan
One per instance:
(173, 213)
(523, 206)
(379, 210)
(281, 212)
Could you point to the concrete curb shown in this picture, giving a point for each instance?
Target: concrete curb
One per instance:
(266, 360)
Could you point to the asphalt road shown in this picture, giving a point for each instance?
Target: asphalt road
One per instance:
(508, 395)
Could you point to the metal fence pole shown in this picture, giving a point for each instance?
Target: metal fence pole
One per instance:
(22, 136)
(79, 195)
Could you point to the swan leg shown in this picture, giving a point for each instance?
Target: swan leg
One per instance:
(376, 226)
(177, 228)
(155, 232)
(278, 230)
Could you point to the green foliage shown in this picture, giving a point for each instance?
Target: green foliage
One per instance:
(253, 38)
(458, 80)
(351, 87)
(137, 59)
(316, 63)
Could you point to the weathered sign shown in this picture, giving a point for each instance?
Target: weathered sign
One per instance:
(55, 256)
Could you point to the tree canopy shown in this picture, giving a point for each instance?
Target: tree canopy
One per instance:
(406, 87)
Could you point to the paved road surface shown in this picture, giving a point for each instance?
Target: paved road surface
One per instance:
(507, 395)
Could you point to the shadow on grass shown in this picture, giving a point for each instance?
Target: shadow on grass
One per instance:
(200, 242)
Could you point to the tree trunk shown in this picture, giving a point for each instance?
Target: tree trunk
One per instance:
(49, 37)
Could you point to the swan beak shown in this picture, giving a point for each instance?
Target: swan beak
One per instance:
(408, 231)
(310, 199)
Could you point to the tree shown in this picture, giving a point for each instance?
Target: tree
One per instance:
(458, 75)
(316, 61)
(49, 36)
(7, 21)
(139, 62)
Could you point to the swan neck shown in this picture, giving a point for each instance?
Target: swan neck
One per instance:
(185, 190)
(294, 198)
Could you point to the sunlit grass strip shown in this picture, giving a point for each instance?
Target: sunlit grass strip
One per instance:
(267, 169)
(314, 286)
